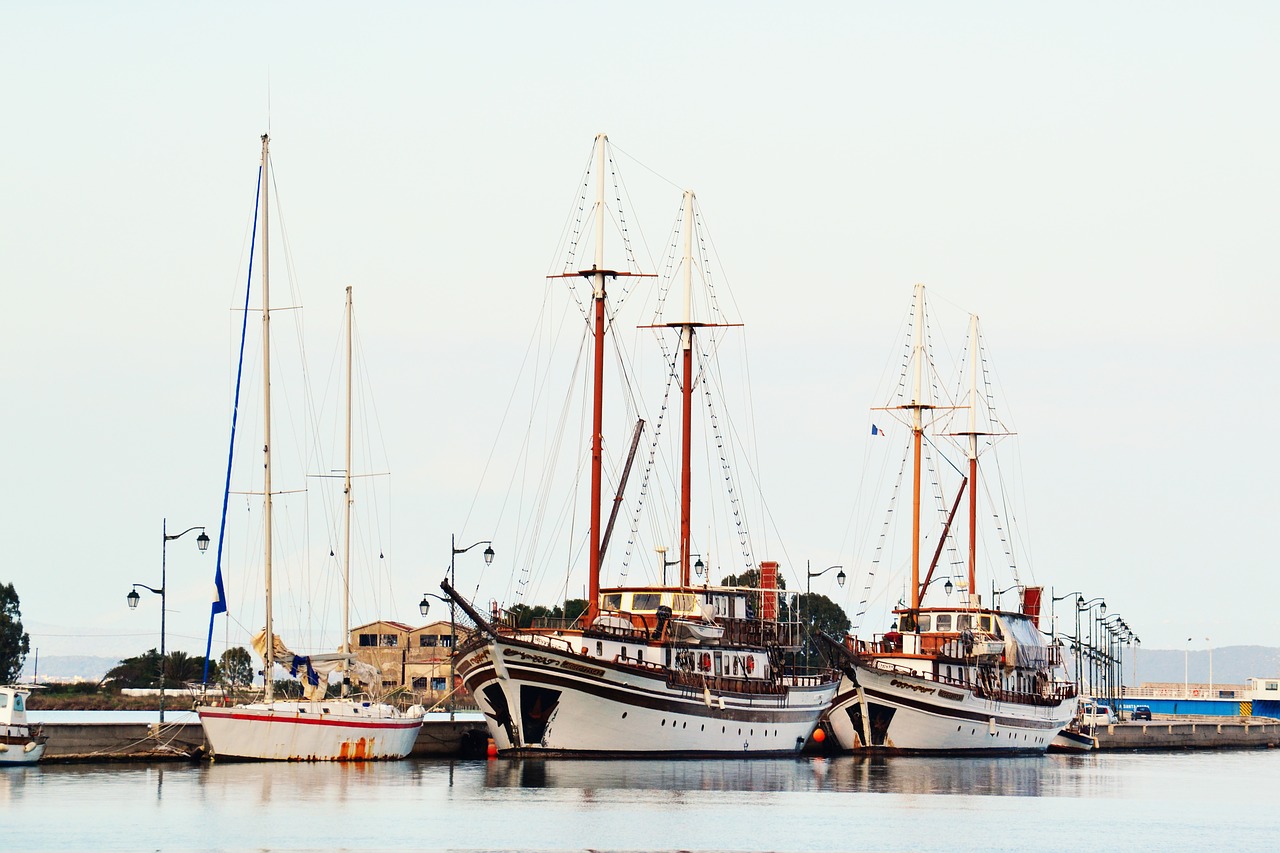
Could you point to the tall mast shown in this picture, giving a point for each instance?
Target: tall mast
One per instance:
(973, 449)
(597, 398)
(686, 419)
(269, 657)
(346, 521)
(917, 434)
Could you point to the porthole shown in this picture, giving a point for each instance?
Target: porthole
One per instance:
(624, 715)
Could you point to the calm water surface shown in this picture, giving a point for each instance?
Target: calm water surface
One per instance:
(1165, 801)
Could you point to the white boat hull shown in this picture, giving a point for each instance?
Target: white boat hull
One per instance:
(332, 730)
(21, 750)
(909, 713)
(1072, 741)
(548, 700)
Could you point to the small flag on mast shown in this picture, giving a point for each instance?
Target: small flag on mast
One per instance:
(875, 430)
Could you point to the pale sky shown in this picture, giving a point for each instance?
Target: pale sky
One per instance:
(1098, 181)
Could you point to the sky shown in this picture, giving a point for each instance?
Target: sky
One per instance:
(1098, 181)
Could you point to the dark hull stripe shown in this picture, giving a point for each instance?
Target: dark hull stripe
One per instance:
(958, 714)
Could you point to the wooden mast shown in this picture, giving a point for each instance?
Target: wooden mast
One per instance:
(973, 452)
(597, 398)
(269, 655)
(917, 436)
(686, 415)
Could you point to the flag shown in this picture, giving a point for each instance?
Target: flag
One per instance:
(219, 594)
(875, 430)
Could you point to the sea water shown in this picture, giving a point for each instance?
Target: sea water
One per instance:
(1107, 801)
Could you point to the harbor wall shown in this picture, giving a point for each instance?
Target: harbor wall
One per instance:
(1190, 734)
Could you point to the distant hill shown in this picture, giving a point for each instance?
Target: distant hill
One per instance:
(1231, 664)
(69, 667)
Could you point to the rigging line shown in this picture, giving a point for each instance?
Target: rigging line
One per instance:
(645, 166)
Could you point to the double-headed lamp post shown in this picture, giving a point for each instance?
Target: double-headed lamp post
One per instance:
(202, 542)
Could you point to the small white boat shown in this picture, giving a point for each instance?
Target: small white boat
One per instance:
(20, 743)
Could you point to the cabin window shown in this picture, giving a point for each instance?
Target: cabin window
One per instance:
(1273, 685)
(425, 640)
(948, 673)
(683, 602)
(368, 639)
(599, 649)
(944, 621)
(4, 701)
(926, 622)
(639, 655)
(646, 601)
(719, 664)
(613, 601)
(623, 654)
(985, 623)
(964, 622)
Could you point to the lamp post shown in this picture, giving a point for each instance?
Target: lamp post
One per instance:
(1186, 670)
(202, 542)
(808, 591)
(995, 594)
(453, 623)
(424, 607)
(1081, 607)
(1210, 642)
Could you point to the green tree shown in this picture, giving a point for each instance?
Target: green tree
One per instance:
(819, 613)
(237, 667)
(140, 671)
(14, 642)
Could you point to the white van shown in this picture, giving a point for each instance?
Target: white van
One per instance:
(1093, 714)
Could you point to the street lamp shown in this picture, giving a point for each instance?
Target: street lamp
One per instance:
(453, 622)
(424, 607)
(202, 542)
(1210, 642)
(1081, 607)
(808, 591)
(1186, 670)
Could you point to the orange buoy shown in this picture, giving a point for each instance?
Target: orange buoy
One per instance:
(492, 751)
(819, 735)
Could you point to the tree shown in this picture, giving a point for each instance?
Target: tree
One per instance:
(237, 667)
(14, 642)
(819, 613)
(144, 670)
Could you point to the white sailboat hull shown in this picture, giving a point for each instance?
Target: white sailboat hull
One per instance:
(333, 730)
(548, 700)
(909, 713)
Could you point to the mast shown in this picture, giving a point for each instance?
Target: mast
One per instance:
(269, 657)
(597, 395)
(346, 521)
(686, 409)
(917, 435)
(973, 450)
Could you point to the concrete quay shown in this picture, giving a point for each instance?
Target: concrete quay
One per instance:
(1191, 733)
(184, 741)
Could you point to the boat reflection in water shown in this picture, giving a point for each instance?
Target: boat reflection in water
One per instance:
(1006, 776)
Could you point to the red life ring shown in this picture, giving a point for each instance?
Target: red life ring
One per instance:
(1195, 692)
(751, 664)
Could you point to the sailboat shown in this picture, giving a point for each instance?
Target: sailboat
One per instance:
(949, 676)
(314, 728)
(648, 669)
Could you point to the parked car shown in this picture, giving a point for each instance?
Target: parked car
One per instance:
(1142, 712)
(1093, 714)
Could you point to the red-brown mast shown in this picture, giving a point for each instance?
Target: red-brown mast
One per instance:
(686, 419)
(917, 436)
(597, 392)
